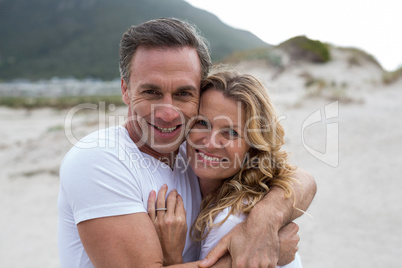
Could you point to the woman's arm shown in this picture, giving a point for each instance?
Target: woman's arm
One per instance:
(256, 239)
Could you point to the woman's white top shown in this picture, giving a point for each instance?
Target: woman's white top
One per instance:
(217, 232)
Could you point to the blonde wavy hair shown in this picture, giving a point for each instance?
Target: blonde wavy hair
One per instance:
(265, 165)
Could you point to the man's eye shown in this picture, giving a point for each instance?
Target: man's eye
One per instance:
(150, 91)
(184, 94)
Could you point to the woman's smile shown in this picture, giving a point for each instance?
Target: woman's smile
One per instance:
(216, 143)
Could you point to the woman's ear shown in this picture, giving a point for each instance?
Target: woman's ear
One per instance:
(125, 92)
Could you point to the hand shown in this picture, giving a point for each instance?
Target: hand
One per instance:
(170, 224)
(288, 240)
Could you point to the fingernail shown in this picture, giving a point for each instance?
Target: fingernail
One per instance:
(204, 262)
(164, 186)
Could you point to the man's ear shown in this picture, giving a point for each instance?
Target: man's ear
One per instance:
(125, 92)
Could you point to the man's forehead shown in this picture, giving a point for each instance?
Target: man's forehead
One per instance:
(182, 61)
(158, 51)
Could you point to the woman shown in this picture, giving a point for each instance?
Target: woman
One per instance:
(234, 148)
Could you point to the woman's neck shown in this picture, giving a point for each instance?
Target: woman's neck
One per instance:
(208, 185)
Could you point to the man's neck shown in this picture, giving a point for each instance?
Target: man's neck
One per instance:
(167, 158)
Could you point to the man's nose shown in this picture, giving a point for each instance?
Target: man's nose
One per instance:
(166, 110)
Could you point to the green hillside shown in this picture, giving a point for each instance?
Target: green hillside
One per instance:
(77, 38)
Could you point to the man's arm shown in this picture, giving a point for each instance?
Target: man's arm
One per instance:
(255, 241)
(288, 209)
(123, 241)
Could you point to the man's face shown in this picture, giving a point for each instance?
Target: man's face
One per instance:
(162, 95)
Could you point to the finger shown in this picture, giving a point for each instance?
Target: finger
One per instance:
(288, 230)
(151, 205)
(160, 201)
(296, 227)
(291, 227)
(171, 202)
(180, 210)
(218, 251)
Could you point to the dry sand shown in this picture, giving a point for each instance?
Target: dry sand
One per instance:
(356, 220)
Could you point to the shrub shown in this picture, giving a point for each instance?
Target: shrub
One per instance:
(302, 48)
(267, 54)
(391, 77)
(356, 55)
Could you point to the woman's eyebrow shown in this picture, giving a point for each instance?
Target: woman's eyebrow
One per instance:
(229, 121)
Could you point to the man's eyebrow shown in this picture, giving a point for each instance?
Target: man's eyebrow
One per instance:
(187, 88)
(156, 87)
(150, 86)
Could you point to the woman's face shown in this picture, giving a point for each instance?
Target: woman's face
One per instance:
(216, 145)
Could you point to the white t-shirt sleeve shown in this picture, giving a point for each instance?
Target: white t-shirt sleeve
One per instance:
(96, 183)
(217, 232)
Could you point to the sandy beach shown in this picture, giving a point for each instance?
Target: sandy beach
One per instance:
(355, 217)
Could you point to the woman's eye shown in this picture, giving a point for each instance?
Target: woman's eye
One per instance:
(231, 133)
(202, 123)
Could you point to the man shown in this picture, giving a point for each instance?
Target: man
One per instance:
(104, 189)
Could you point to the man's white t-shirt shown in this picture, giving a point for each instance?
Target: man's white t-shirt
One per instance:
(104, 175)
(218, 231)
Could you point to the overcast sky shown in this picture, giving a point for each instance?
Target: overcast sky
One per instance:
(372, 25)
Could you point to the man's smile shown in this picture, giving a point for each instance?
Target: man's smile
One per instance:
(165, 131)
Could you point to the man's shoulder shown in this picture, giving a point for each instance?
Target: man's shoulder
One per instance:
(110, 139)
(110, 147)
(103, 163)
(112, 134)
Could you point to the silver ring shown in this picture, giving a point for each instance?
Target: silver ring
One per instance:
(161, 209)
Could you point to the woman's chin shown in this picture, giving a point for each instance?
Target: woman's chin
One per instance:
(213, 173)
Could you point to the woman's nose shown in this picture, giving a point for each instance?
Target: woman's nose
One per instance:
(213, 140)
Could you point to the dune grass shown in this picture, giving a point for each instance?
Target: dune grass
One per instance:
(58, 103)
(392, 77)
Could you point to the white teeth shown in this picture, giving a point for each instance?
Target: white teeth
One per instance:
(166, 130)
(209, 158)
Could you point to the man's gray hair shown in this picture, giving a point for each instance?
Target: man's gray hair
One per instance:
(164, 32)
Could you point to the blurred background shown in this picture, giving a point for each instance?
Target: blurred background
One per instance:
(333, 70)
